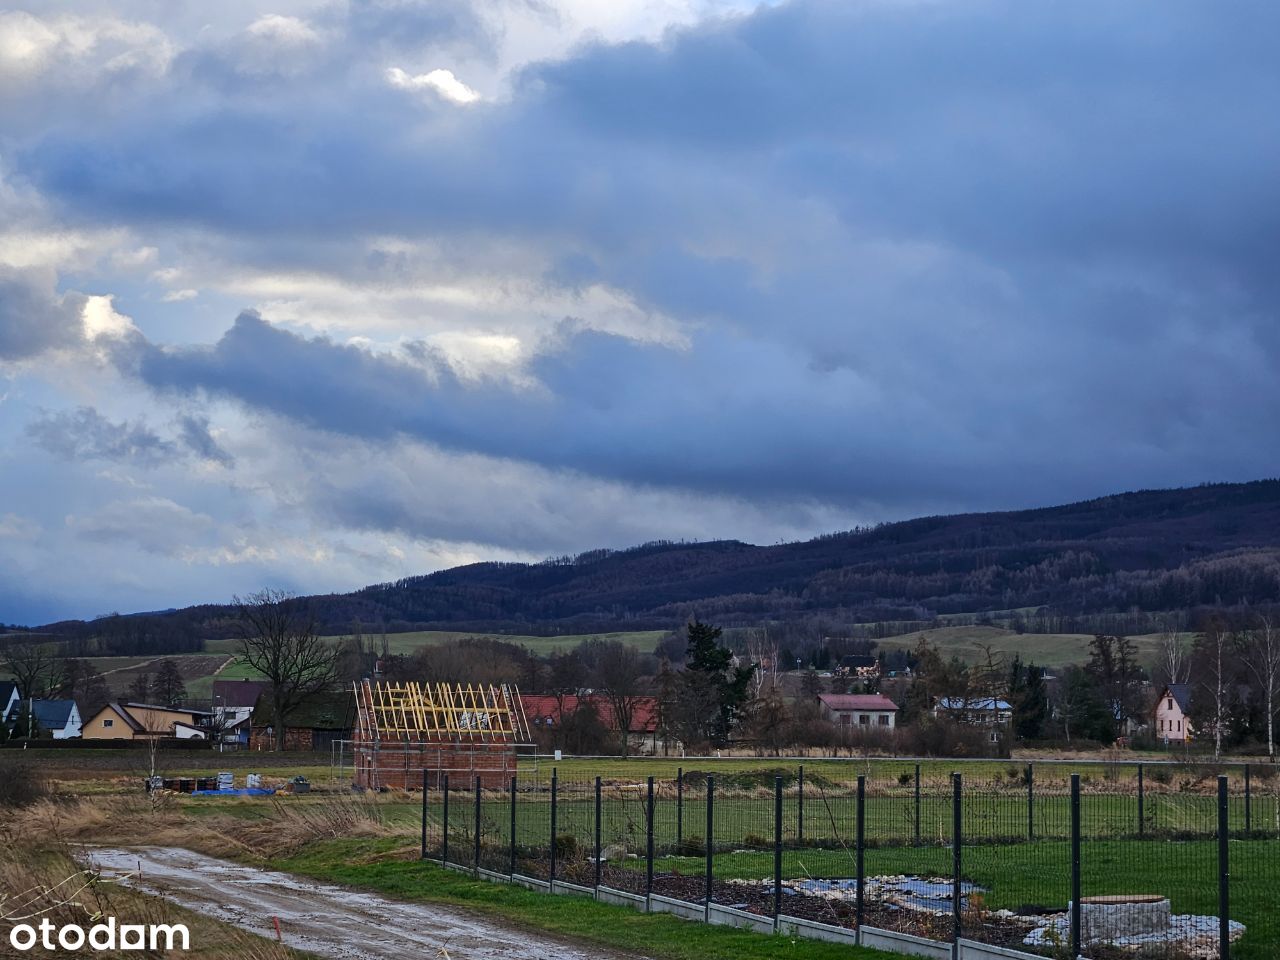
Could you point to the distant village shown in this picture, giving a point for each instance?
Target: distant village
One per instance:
(698, 692)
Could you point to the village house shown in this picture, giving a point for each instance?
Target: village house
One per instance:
(1169, 718)
(544, 712)
(863, 710)
(233, 703)
(989, 711)
(59, 719)
(8, 701)
(319, 721)
(860, 666)
(146, 721)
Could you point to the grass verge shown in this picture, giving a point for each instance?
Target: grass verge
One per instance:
(376, 865)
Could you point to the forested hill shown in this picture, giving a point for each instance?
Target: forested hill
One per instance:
(1214, 545)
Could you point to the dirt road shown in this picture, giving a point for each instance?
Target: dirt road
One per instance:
(325, 920)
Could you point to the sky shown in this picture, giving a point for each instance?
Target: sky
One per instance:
(313, 294)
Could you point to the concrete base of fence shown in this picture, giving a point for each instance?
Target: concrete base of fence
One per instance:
(904, 943)
(621, 898)
(572, 889)
(812, 930)
(531, 883)
(972, 950)
(729, 917)
(679, 908)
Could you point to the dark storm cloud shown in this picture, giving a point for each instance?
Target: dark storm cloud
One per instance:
(975, 253)
(34, 317)
(756, 421)
(195, 435)
(85, 434)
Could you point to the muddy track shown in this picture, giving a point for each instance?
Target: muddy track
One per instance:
(326, 920)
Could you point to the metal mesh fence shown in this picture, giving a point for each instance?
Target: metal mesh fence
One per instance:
(1157, 861)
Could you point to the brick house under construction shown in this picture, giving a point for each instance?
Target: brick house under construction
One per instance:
(406, 730)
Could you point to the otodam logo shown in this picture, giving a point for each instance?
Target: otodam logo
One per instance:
(101, 936)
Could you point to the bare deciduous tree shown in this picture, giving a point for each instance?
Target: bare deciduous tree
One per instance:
(1214, 659)
(280, 642)
(35, 667)
(620, 672)
(1175, 654)
(1260, 652)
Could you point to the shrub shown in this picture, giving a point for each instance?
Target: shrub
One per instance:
(21, 784)
(566, 847)
(691, 847)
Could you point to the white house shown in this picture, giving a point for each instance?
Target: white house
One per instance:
(991, 711)
(59, 718)
(8, 700)
(1169, 719)
(863, 710)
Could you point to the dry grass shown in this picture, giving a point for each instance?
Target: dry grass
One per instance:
(158, 820)
(44, 882)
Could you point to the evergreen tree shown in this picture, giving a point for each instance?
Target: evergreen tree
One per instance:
(1029, 698)
(167, 687)
(1082, 709)
(715, 690)
(140, 688)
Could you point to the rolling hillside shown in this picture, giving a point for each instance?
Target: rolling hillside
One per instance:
(1214, 545)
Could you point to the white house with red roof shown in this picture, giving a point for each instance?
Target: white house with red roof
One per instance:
(862, 710)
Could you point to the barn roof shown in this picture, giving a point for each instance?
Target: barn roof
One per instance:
(238, 693)
(541, 707)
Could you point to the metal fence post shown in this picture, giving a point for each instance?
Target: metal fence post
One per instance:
(648, 867)
(553, 830)
(917, 825)
(1075, 865)
(444, 856)
(800, 807)
(1031, 803)
(957, 839)
(1224, 874)
(513, 826)
(777, 850)
(711, 825)
(424, 814)
(679, 808)
(599, 849)
(1142, 799)
(860, 840)
(1248, 800)
(476, 859)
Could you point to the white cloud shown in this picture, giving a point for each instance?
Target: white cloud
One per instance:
(101, 319)
(177, 296)
(286, 31)
(32, 46)
(440, 81)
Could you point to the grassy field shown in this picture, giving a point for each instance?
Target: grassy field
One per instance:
(409, 642)
(1044, 649)
(1016, 876)
(1013, 873)
(617, 928)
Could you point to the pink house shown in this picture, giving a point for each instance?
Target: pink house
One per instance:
(1169, 720)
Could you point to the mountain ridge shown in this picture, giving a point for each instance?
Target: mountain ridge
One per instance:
(1149, 550)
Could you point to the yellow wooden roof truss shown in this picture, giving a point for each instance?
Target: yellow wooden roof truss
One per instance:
(416, 712)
